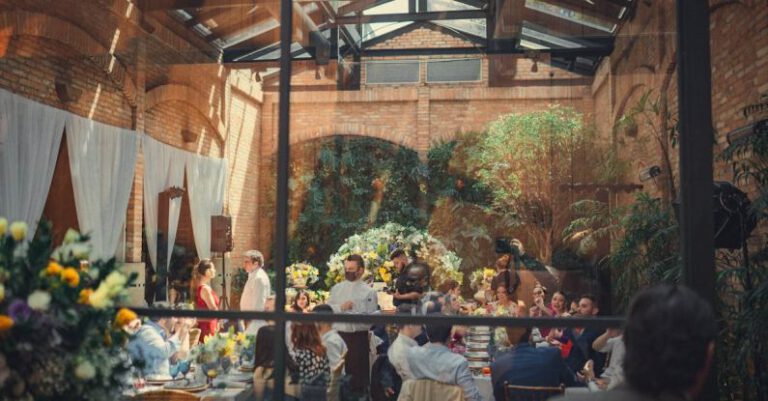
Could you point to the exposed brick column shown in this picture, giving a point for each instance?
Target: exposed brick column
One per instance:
(134, 219)
(422, 122)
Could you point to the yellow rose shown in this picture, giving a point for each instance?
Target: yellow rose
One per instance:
(5, 323)
(85, 294)
(100, 299)
(71, 277)
(3, 226)
(53, 269)
(125, 316)
(19, 230)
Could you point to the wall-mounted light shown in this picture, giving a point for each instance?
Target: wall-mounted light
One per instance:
(66, 92)
(189, 136)
(650, 173)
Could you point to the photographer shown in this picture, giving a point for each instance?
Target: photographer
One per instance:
(411, 284)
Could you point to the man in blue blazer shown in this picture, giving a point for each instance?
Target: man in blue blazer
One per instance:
(526, 365)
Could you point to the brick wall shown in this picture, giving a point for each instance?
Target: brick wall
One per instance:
(159, 84)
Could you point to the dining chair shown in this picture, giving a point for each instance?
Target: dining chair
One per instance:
(167, 395)
(530, 393)
(430, 390)
(335, 382)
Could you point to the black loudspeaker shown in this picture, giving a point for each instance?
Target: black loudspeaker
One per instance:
(221, 234)
(734, 219)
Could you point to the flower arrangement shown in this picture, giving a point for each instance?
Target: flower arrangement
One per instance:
(376, 244)
(220, 351)
(319, 297)
(60, 337)
(481, 279)
(302, 274)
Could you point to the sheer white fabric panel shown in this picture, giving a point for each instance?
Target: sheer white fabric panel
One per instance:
(206, 182)
(102, 159)
(163, 168)
(30, 136)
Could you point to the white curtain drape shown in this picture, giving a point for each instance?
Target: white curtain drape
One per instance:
(206, 183)
(163, 168)
(102, 159)
(30, 136)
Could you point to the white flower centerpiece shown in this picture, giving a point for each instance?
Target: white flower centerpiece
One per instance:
(376, 244)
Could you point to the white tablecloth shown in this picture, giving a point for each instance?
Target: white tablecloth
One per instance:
(483, 384)
(235, 391)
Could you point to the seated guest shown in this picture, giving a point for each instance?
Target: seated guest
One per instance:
(264, 363)
(405, 340)
(670, 342)
(152, 346)
(435, 361)
(526, 365)
(311, 357)
(612, 343)
(334, 345)
(582, 339)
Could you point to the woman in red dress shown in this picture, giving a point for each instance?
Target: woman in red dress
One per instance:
(206, 297)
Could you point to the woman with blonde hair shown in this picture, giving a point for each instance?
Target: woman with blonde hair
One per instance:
(206, 299)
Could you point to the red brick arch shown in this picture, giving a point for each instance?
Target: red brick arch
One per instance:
(26, 23)
(192, 97)
(405, 139)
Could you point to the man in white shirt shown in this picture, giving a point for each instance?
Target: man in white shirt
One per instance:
(335, 346)
(355, 296)
(256, 290)
(612, 343)
(435, 361)
(405, 339)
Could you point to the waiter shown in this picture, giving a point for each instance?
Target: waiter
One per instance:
(355, 296)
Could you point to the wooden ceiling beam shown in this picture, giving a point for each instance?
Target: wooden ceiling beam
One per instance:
(165, 5)
(601, 9)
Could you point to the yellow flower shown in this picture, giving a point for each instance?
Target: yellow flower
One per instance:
(125, 316)
(3, 226)
(18, 230)
(100, 299)
(5, 323)
(372, 255)
(240, 337)
(85, 295)
(382, 271)
(71, 277)
(53, 269)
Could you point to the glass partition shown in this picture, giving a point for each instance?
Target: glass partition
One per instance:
(351, 175)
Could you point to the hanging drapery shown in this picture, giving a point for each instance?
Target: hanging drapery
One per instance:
(206, 183)
(30, 136)
(102, 159)
(163, 169)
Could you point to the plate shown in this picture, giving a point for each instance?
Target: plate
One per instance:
(239, 377)
(158, 379)
(246, 368)
(192, 387)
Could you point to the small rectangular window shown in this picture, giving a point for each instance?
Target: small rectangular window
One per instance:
(392, 72)
(463, 70)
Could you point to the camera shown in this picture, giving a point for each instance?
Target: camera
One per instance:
(505, 246)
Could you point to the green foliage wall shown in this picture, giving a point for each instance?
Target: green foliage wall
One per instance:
(354, 183)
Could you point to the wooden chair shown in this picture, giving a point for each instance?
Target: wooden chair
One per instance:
(334, 384)
(167, 395)
(529, 393)
(194, 337)
(429, 390)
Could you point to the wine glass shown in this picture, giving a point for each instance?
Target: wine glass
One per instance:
(226, 364)
(175, 370)
(184, 366)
